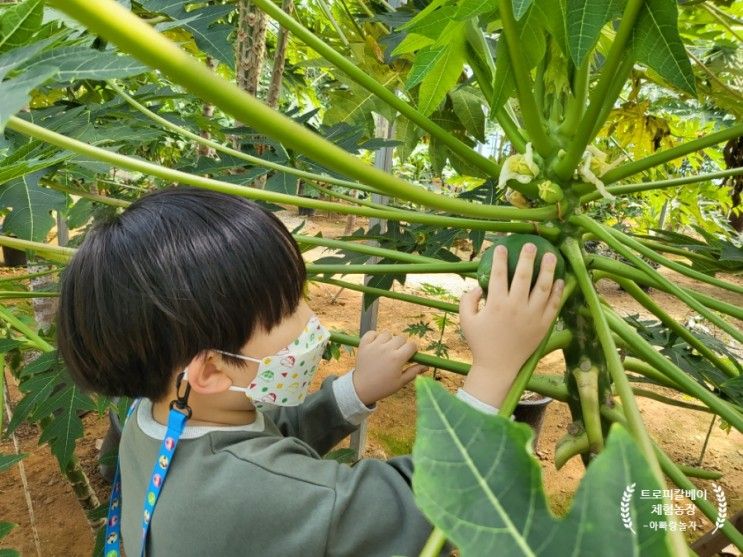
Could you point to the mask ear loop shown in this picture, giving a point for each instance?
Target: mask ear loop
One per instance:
(180, 403)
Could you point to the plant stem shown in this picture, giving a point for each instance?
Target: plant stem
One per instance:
(683, 269)
(607, 236)
(701, 473)
(434, 544)
(690, 255)
(706, 440)
(132, 35)
(671, 402)
(587, 382)
(27, 276)
(19, 294)
(531, 114)
(410, 298)
(358, 247)
(137, 165)
(25, 330)
(354, 200)
(639, 366)
(608, 267)
(571, 250)
(53, 253)
(112, 201)
(671, 182)
(641, 348)
(257, 161)
(477, 54)
(656, 159)
(568, 446)
(601, 93)
(358, 75)
(412, 268)
(615, 90)
(677, 477)
(648, 303)
(527, 370)
(577, 103)
(547, 385)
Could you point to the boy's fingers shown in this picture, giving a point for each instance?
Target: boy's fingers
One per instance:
(397, 341)
(543, 287)
(410, 372)
(521, 283)
(553, 304)
(407, 350)
(469, 301)
(384, 336)
(368, 337)
(498, 284)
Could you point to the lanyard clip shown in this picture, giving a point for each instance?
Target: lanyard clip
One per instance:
(181, 399)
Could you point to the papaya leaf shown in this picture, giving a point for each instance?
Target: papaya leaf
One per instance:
(551, 14)
(656, 42)
(520, 7)
(81, 62)
(408, 134)
(432, 24)
(6, 461)
(424, 63)
(468, 108)
(210, 37)
(13, 58)
(19, 23)
(30, 218)
(442, 75)
(472, 8)
(14, 92)
(585, 19)
(283, 183)
(476, 479)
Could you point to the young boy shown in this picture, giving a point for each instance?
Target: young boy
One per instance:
(196, 297)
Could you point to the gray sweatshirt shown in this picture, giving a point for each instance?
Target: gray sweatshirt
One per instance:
(264, 490)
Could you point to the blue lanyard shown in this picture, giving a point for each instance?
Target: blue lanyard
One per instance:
(112, 546)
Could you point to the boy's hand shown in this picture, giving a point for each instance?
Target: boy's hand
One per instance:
(511, 324)
(379, 365)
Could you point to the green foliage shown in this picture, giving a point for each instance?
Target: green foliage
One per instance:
(585, 19)
(19, 22)
(30, 206)
(656, 42)
(462, 485)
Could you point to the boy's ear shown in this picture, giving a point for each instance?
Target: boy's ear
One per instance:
(206, 376)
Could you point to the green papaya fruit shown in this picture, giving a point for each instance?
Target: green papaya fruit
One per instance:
(514, 243)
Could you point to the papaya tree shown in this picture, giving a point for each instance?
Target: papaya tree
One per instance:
(548, 74)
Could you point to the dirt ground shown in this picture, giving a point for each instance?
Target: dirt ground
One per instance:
(63, 530)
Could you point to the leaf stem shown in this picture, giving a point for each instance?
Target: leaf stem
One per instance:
(641, 348)
(532, 115)
(257, 161)
(648, 303)
(607, 267)
(601, 93)
(577, 102)
(607, 236)
(138, 165)
(645, 186)
(659, 158)
(382, 269)
(361, 77)
(25, 330)
(572, 252)
(58, 254)
(434, 544)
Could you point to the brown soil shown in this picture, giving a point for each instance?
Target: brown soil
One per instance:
(64, 531)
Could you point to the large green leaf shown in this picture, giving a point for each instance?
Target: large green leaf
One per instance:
(81, 62)
(585, 18)
(30, 217)
(8, 460)
(476, 478)
(14, 58)
(210, 37)
(14, 92)
(50, 396)
(656, 42)
(443, 75)
(520, 7)
(468, 108)
(19, 23)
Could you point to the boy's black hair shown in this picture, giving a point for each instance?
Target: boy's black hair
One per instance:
(181, 271)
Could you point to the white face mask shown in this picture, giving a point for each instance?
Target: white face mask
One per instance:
(284, 378)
